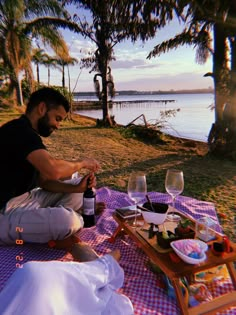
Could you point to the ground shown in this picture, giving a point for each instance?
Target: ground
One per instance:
(206, 177)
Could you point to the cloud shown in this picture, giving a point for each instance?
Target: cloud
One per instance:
(81, 48)
(129, 64)
(167, 82)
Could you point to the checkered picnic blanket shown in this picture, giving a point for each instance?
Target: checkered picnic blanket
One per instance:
(144, 288)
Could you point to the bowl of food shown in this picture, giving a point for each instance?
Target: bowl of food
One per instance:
(165, 238)
(192, 251)
(154, 213)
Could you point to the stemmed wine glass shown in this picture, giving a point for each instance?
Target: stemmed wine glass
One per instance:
(137, 190)
(174, 185)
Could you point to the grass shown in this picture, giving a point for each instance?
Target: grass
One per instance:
(206, 178)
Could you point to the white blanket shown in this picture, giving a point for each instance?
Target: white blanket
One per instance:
(66, 288)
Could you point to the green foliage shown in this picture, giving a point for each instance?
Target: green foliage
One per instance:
(25, 89)
(23, 21)
(151, 132)
(145, 134)
(184, 223)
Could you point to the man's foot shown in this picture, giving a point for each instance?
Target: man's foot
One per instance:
(115, 254)
(64, 244)
(83, 252)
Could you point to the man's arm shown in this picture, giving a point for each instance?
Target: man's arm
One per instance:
(64, 187)
(52, 169)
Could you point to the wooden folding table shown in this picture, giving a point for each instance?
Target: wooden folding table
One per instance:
(176, 271)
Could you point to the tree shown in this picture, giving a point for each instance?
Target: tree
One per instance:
(39, 57)
(203, 18)
(112, 22)
(3, 74)
(20, 22)
(62, 63)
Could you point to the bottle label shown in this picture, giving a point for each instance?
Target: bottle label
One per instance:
(89, 205)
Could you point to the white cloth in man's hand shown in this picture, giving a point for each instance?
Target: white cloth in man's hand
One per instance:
(63, 288)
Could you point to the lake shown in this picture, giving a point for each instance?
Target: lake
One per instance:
(193, 121)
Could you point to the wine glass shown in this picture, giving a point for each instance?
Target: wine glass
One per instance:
(174, 184)
(137, 190)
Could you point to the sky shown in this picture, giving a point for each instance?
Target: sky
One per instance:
(175, 70)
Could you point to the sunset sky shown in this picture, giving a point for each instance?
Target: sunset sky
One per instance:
(132, 71)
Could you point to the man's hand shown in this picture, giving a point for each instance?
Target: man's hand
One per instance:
(91, 164)
(88, 180)
(56, 186)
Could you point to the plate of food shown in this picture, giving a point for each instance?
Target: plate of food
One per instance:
(192, 251)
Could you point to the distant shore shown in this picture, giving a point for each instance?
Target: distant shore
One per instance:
(134, 92)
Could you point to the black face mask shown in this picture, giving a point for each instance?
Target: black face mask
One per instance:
(44, 128)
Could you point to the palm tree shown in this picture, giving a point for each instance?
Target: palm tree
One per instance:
(3, 74)
(20, 22)
(203, 18)
(50, 62)
(63, 62)
(112, 22)
(38, 57)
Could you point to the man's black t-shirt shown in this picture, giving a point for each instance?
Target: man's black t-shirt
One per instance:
(17, 175)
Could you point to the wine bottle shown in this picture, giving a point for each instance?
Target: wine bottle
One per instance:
(89, 204)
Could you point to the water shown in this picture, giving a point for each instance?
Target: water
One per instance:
(193, 121)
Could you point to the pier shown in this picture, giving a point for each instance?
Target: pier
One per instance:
(85, 105)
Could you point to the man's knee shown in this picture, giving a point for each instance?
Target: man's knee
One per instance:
(68, 223)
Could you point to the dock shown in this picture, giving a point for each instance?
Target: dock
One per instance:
(85, 105)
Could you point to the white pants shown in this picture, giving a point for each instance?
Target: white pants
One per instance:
(66, 288)
(41, 216)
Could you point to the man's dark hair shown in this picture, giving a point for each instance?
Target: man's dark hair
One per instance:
(50, 96)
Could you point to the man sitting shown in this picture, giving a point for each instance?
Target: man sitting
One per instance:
(37, 204)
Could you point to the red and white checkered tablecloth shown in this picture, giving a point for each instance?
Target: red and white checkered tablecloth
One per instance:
(142, 286)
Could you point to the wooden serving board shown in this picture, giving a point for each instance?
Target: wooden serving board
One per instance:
(143, 231)
(168, 225)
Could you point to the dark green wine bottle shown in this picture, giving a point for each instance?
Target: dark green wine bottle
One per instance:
(89, 204)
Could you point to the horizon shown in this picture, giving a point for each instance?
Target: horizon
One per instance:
(205, 90)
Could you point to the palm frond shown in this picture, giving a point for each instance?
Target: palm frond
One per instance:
(48, 21)
(34, 8)
(184, 38)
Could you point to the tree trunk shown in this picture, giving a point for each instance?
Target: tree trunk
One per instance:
(104, 95)
(233, 84)
(63, 76)
(16, 88)
(217, 135)
(37, 70)
(48, 76)
(20, 101)
(219, 68)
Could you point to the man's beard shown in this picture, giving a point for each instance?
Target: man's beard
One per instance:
(44, 128)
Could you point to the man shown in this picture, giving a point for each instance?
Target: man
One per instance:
(37, 204)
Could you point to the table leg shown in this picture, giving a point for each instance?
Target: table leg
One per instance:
(114, 235)
(180, 297)
(232, 273)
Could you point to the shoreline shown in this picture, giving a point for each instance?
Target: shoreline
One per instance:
(189, 140)
(126, 109)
